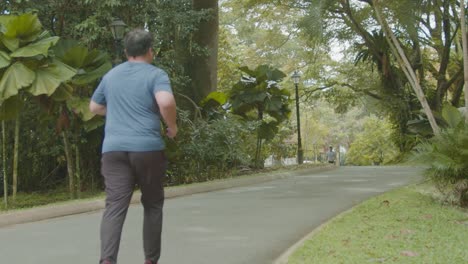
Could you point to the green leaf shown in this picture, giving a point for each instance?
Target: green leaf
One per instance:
(259, 97)
(275, 75)
(63, 93)
(273, 105)
(50, 77)
(261, 85)
(26, 27)
(75, 56)
(38, 48)
(266, 72)
(11, 44)
(4, 59)
(16, 77)
(4, 20)
(242, 108)
(218, 97)
(246, 69)
(84, 77)
(95, 123)
(96, 57)
(80, 106)
(452, 116)
(10, 108)
(264, 94)
(63, 46)
(91, 65)
(268, 131)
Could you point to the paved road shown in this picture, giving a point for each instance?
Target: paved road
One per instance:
(251, 225)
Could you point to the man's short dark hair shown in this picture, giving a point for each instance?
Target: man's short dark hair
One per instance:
(137, 42)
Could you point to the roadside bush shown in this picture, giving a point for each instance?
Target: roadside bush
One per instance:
(447, 156)
(207, 150)
(373, 146)
(279, 146)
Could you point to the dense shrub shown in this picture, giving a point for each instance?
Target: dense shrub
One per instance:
(373, 146)
(206, 150)
(447, 157)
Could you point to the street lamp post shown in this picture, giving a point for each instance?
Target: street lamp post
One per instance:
(118, 31)
(296, 77)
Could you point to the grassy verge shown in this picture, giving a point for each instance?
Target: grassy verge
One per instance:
(29, 200)
(403, 226)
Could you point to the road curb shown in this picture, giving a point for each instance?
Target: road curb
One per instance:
(79, 207)
(284, 258)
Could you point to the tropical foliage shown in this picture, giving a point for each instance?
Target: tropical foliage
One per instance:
(373, 146)
(25, 60)
(66, 142)
(348, 54)
(26, 65)
(447, 155)
(258, 96)
(55, 74)
(70, 103)
(210, 149)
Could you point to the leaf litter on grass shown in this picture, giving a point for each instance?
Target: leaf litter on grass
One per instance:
(402, 226)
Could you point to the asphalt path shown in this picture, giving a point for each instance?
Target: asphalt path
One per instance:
(245, 225)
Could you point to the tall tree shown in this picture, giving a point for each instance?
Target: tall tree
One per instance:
(427, 32)
(406, 66)
(465, 54)
(205, 66)
(4, 167)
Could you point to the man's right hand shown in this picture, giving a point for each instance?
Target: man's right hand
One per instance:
(171, 132)
(167, 108)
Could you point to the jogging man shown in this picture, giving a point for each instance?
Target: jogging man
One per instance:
(134, 96)
(331, 155)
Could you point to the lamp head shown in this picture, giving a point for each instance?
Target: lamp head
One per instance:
(118, 29)
(296, 77)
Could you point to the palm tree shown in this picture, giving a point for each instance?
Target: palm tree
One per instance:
(26, 65)
(258, 94)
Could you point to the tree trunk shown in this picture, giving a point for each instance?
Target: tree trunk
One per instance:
(338, 156)
(70, 169)
(465, 54)
(205, 67)
(459, 86)
(258, 152)
(315, 154)
(5, 178)
(78, 171)
(405, 65)
(16, 157)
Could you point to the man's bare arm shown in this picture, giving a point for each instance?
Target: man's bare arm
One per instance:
(167, 108)
(97, 109)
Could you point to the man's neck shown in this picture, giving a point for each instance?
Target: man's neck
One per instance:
(138, 59)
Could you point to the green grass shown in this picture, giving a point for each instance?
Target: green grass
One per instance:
(403, 226)
(29, 200)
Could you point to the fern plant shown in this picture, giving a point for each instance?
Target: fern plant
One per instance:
(447, 156)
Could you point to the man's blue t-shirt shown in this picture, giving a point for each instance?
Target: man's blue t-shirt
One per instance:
(133, 118)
